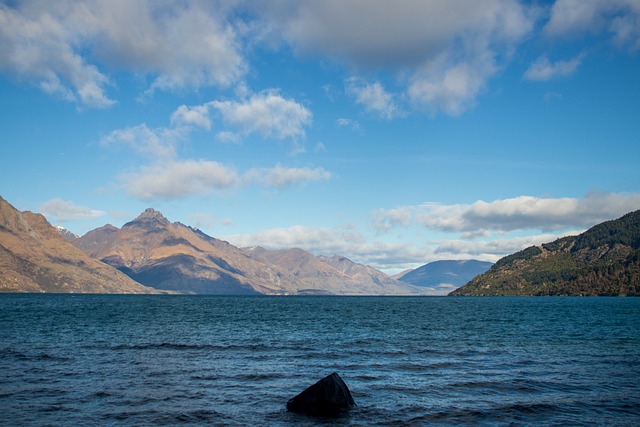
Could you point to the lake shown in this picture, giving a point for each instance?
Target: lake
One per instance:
(72, 360)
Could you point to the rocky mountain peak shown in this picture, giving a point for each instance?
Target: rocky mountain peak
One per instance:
(149, 217)
(151, 213)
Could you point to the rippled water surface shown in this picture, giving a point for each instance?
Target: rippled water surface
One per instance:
(196, 360)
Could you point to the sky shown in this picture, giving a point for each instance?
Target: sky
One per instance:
(393, 133)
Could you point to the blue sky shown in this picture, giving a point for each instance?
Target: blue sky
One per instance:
(393, 133)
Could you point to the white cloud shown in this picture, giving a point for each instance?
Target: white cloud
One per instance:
(381, 33)
(450, 88)
(385, 219)
(155, 143)
(65, 47)
(192, 116)
(542, 69)
(177, 179)
(373, 97)
(445, 51)
(63, 210)
(528, 212)
(619, 18)
(266, 113)
(39, 46)
(519, 213)
(281, 177)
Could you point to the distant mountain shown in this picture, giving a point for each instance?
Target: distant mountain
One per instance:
(604, 260)
(444, 276)
(173, 256)
(34, 257)
(70, 236)
(335, 275)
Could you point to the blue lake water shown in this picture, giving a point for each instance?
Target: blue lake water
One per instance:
(72, 360)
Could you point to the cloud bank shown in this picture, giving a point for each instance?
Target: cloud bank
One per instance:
(441, 55)
(68, 48)
(64, 211)
(519, 213)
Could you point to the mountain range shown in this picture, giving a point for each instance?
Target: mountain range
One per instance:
(174, 257)
(150, 254)
(35, 257)
(604, 260)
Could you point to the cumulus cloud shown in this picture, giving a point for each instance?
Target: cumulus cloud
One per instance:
(155, 143)
(168, 177)
(446, 51)
(65, 47)
(197, 116)
(528, 212)
(543, 69)
(385, 219)
(63, 210)
(619, 18)
(450, 88)
(282, 177)
(266, 113)
(373, 97)
(178, 179)
(519, 213)
(39, 45)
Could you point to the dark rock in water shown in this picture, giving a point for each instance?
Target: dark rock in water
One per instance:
(328, 397)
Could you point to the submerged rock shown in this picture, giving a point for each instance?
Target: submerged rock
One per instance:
(328, 397)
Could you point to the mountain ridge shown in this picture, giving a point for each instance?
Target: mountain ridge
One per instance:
(604, 260)
(173, 256)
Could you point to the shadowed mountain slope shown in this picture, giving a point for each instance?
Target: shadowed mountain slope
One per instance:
(173, 256)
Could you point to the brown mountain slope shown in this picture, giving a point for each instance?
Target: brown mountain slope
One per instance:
(331, 275)
(34, 257)
(173, 256)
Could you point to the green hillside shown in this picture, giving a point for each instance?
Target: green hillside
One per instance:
(604, 260)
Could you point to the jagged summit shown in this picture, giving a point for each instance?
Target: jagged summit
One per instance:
(151, 213)
(148, 217)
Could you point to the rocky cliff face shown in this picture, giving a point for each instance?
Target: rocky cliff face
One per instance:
(35, 257)
(604, 260)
